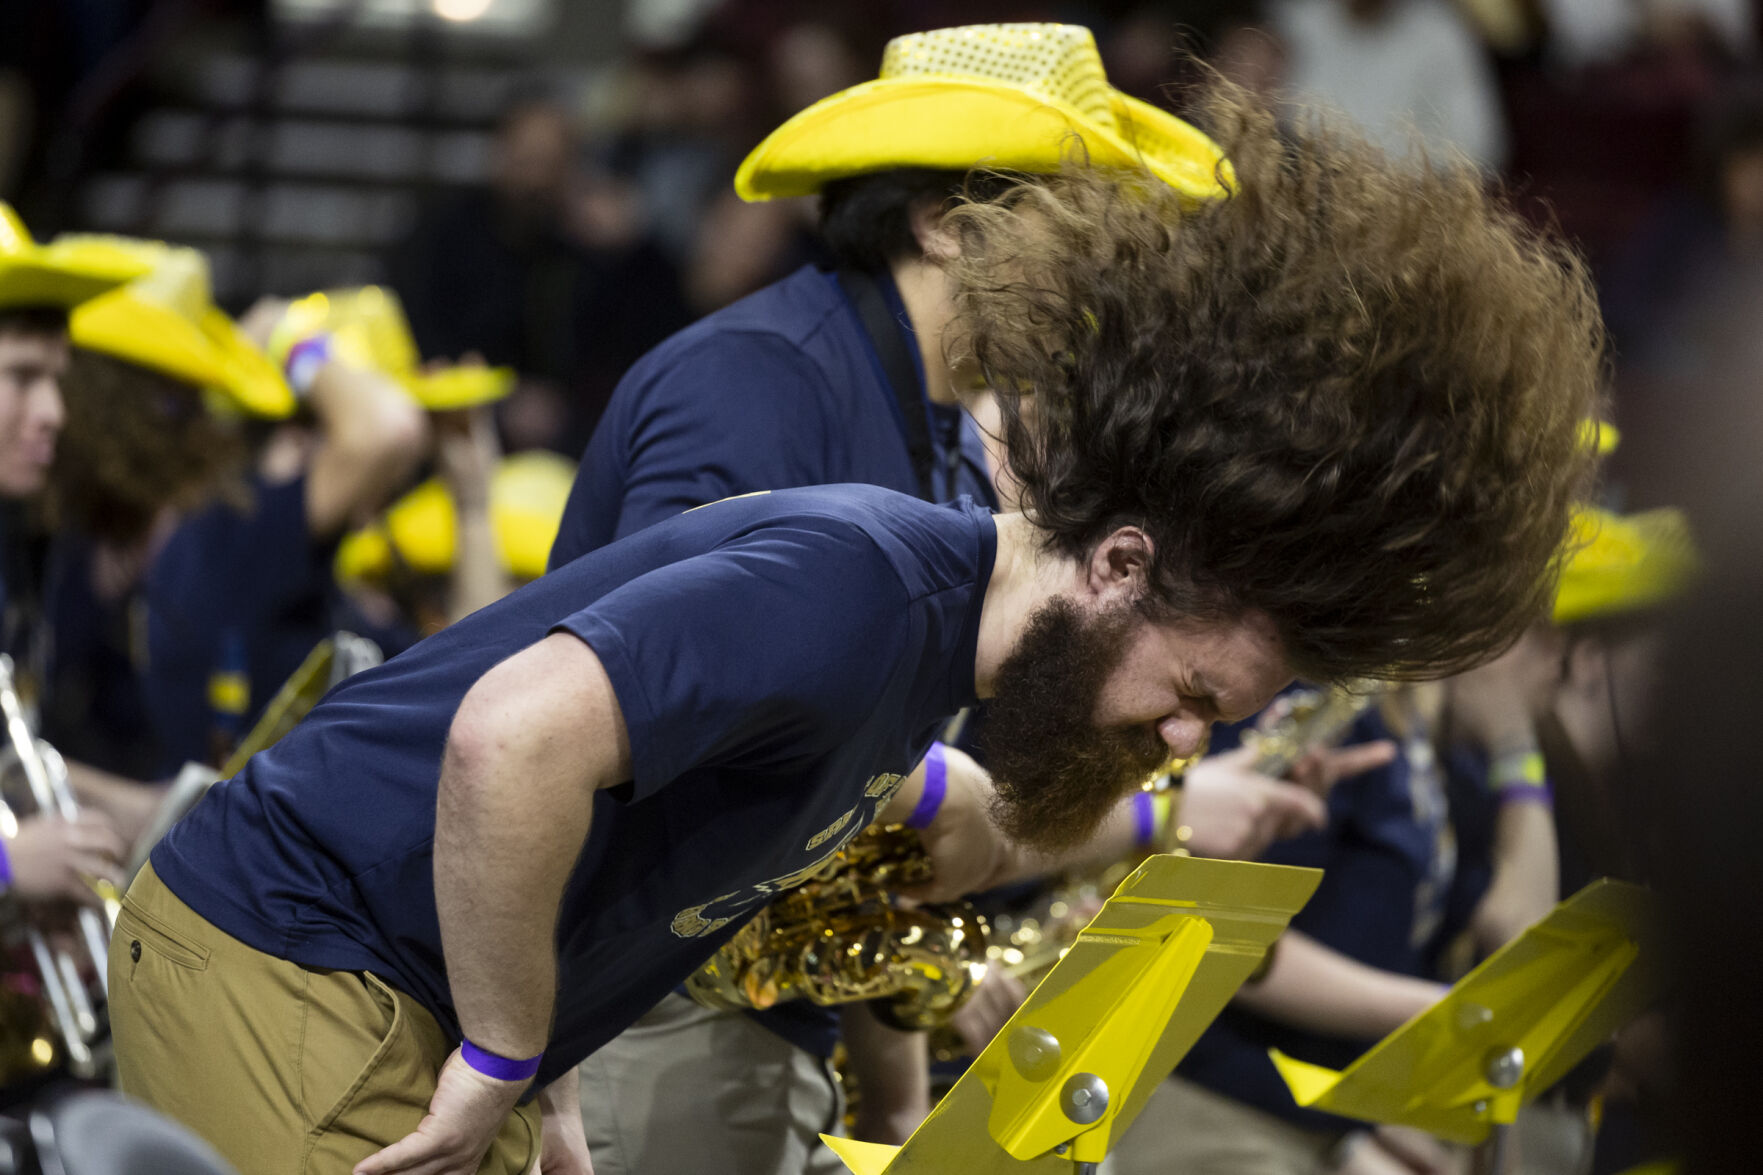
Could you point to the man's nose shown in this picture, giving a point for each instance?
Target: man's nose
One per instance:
(1183, 734)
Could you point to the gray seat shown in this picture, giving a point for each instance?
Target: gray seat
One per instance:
(96, 1132)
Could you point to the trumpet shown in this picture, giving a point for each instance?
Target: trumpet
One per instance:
(32, 772)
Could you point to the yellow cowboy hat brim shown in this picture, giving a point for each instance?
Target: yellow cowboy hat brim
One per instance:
(1621, 565)
(209, 352)
(456, 388)
(958, 124)
(72, 269)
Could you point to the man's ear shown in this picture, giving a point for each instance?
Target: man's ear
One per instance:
(935, 240)
(1119, 567)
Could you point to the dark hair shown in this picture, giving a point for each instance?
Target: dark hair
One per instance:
(33, 320)
(1349, 395)
(136, 441)
(866, 220)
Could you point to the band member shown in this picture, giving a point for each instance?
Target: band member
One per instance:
(43, 857)
(233, 577)
(846, 376)
(1327, 425)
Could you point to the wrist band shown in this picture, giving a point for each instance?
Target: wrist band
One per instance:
(500, 1067)
(1526, 793)
(936, 784)
(1144, 814)
(304, 360)
(1517, 769)
(5, 864)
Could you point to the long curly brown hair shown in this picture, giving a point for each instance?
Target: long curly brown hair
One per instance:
(135, 442)
(1349, 395)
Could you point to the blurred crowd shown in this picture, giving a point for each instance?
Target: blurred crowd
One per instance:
(195, 538)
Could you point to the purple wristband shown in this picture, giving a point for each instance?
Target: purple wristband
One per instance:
(5, 866)
(304, 360)
(1526, 793)
(936, 784)
(499, 1067)
(1144, 812)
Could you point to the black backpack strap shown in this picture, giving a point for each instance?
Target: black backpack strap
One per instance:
(896, 360)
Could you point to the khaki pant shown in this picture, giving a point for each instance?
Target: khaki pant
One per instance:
(281, 1068)
(686, 1090)
(1187, 1130)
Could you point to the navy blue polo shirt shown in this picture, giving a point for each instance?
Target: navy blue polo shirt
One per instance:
(781, 662)
(784, 388)
(781, 389)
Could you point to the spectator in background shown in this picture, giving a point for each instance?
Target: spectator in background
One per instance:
(1396, 67)
(547, 270)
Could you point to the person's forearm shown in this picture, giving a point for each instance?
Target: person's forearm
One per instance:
(502, 855)
(892, 1069)
(1316, 988)
(532, 742)
(1526, 877)
(373, 436)
(478, 579)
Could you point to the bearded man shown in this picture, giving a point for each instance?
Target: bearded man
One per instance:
(1325, 426)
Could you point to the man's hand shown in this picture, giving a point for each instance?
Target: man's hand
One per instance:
(464, 1117)
(51, 858)
(965, 848)
(565, 1149)
(987, 1010)
(1235, 812)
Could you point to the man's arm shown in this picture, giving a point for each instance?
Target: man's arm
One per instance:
(532, 742)
(1318, 989)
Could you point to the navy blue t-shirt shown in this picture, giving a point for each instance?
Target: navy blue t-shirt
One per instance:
(245, 591)
(781, 389)
(781, 662)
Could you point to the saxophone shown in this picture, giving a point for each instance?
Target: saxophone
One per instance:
(840, 937)
(1025, 942)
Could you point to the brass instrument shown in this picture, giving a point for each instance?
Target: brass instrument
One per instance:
(33, 776)
(840, 937)
(1025, 944)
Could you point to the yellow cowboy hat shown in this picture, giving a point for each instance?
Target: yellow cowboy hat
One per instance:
(1008, 96)
(68, 270)
(1623, 564)
(166, 320)
(367, 327)
(421, 529)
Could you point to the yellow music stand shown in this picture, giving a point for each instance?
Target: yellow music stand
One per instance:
(1076, 1063)
(1509, 1029)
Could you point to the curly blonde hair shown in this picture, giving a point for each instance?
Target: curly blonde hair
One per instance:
(1350, 395)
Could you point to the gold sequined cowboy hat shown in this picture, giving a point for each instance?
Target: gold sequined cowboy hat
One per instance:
(1017, 97)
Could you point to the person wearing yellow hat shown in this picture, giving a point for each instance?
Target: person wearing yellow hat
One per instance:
(205, 486)
(829, 376)
(859, 374)
(44, 858)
